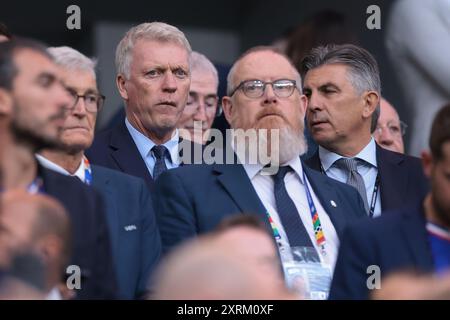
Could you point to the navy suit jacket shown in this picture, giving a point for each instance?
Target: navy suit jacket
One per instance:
(394, 242)
(401, 178)
(194, 199)
(115, 149)
(135, 239)
(91, 249)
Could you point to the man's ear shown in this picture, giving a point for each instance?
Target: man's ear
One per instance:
(371, 101)
(427, 163)
(6, 103)
(303, 103)
(227, 107)
(120, 82)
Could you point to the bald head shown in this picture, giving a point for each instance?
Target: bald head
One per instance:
(238, 263)
(388, 109)
(232, 82)
(45, 213)
(26, 218)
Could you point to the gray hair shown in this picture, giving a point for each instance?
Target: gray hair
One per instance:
(157, 31)
(200, 62)
(363, 68)
(231, 74)
(72, 59)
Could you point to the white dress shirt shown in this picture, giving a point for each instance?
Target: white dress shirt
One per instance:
(295, 185)
(80, 173)
(54, 294)
(145, 145)
(368, 169)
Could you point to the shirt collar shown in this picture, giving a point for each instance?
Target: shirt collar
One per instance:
(145, 144)
(80, 172)
(54, 294)
(253, 169)
(368, 154)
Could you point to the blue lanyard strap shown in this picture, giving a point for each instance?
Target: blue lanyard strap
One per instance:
(317, 225)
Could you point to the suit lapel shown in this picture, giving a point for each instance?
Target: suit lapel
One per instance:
(326, 193)
(102, 183)
(393, 179)
(414, 230)
(314, 162)
(127, 156)
(235, 181)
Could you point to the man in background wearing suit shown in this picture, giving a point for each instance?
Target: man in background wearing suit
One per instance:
(264, 93)
(153, 78)
(201, 107)
(342, 84)
(414, 239)
(135, 239)
(33, 106)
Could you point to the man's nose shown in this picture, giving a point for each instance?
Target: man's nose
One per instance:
(269, 94)
(314, 102)
(80, 107)
(200, 114)
(64, 99)
(169, 82)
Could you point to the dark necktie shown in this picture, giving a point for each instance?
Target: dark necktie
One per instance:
(292, 223)
(160, 153)
(354, 178)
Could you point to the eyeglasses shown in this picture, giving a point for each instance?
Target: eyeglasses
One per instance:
(282, 88)
(394, 128)
(92, 101)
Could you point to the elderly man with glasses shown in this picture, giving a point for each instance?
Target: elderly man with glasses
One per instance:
(390, 129)
(135, 239)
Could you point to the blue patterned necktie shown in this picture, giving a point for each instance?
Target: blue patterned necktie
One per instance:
(160, 152)
(289, 216)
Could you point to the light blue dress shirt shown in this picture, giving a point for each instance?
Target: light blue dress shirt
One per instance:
(145, 145)
(368, 169)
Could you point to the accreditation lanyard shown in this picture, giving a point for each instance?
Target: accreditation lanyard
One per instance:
(317, 225)
(374, 195)
(373, 199)
(37, 186)
(87, 171)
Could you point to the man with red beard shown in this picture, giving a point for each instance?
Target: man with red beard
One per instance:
(264, 101)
